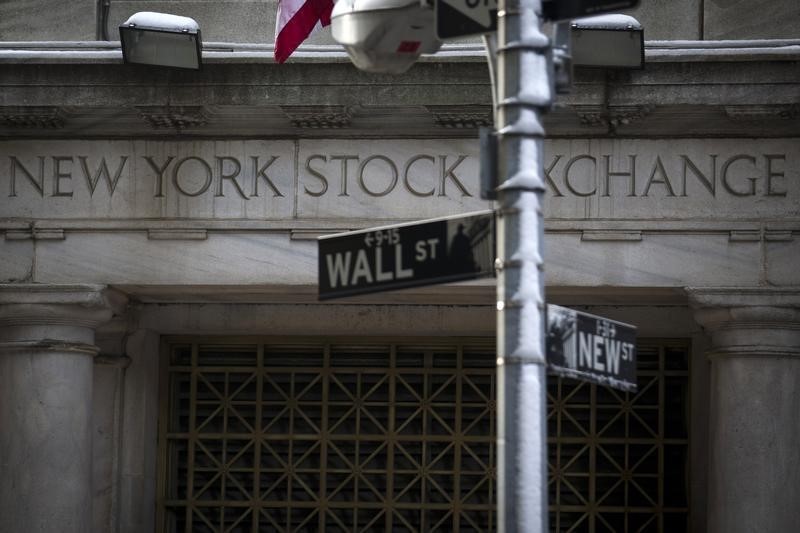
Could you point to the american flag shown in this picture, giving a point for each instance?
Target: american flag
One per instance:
(295, 21)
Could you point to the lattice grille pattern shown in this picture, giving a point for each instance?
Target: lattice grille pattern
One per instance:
(332, 437)
(618, 461)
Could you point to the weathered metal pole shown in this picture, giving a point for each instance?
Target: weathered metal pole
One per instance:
(524, 93)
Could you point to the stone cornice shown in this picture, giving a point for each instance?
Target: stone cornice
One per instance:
(744, 89)
(216, 52)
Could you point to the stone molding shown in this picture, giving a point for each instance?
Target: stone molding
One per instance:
(49, 234)
(762, 111)
(42, 317)
(749, 321)
(85, 295)
(119, 361)
(49, 345)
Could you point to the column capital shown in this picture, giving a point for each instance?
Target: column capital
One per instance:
(749, 321)
(42, 313)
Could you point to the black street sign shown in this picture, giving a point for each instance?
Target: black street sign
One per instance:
(591, 348)
(460, 18)
(554, 10)
(406, 255)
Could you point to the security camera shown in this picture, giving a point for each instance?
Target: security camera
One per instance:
(385, 36)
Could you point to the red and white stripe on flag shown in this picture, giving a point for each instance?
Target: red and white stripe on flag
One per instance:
(295, 22)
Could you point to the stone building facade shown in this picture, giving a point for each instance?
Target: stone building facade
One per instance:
(165, 364)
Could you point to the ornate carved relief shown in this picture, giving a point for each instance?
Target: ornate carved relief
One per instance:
(318, 117)
(612, 116)
(461, 117)
(624, 115)
(178, 117)
(42, 117)
(591, 115)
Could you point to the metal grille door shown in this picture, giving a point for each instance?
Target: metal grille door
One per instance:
(619, 461)
(329, 437)
(338, 435)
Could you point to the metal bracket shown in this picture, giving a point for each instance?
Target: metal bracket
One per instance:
(488, 167)
(560, 59)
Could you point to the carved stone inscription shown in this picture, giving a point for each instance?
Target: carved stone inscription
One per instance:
(673, 179)
(385, 179)
(147, 179)
(388, 179)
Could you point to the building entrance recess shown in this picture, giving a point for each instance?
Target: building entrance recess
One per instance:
(332, 434)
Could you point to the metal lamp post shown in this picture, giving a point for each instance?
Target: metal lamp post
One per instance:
(522, 91)
(524, 94)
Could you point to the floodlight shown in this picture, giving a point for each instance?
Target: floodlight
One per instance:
(608, 41)
(160, 39)
(384, 35)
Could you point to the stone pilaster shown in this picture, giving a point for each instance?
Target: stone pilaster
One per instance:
(754, 433)
(47, 335)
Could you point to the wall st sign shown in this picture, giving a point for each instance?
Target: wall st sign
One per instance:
(406, 255)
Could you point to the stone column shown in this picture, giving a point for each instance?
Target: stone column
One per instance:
(754, 432)
(46, 367)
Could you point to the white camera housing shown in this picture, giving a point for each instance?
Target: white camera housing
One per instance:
(385, 36)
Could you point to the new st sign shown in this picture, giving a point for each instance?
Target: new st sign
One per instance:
(406, 255)
(591, 348)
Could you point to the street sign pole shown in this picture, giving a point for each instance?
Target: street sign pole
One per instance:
(524, 94)
(523, 90)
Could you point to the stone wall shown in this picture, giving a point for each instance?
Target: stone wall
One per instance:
(624, 212)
